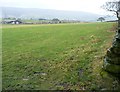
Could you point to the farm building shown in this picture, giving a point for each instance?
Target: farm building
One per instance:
(11, 22)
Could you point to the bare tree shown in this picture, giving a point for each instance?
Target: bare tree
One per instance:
(113, 6)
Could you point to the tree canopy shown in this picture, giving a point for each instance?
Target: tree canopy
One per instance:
(101, 19)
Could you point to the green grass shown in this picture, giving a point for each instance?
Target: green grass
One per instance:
(61, 56)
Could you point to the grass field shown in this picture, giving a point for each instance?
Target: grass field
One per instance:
(61, 56)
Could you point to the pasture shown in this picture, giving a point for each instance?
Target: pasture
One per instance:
(61, 56)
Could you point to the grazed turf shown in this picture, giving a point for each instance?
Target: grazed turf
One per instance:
(64, 56)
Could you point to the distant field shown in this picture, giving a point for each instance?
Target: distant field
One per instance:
(61, 56)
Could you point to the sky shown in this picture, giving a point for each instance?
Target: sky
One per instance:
(93, 6)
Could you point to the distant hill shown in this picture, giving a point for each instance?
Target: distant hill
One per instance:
(48, 14)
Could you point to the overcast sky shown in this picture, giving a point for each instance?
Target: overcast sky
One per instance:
(92, 6)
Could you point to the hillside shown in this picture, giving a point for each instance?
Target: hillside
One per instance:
(47, 13)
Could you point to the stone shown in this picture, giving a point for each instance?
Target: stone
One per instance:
(112, 59)
(25, 79)
(118, 30)
(117, 35)
(112, 68)
(116, 43)
(116, 51)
